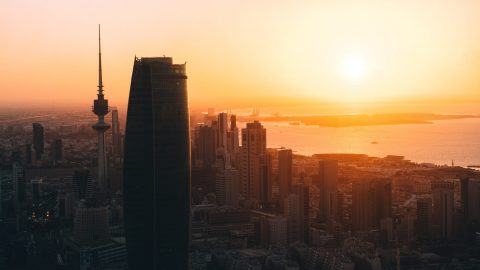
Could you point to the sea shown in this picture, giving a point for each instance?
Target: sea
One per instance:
(443, 142)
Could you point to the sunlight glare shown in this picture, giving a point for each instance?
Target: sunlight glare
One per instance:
(354, 67)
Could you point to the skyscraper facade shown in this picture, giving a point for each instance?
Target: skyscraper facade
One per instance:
(443, 209)
(424, 218)
(371, 202)
(284, 173)
(38, 140)
(157, 166)
(254, 146)
(116, 136)
(57, 150)
(327, 183)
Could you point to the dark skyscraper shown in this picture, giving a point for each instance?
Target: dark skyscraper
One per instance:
(327, 183)
(38, 140)
(116, 136)
(284, 173)
(157, 166)
(57, 150)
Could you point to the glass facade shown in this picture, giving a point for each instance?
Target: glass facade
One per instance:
(157, 166)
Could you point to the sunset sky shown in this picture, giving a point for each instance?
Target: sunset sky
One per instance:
(341, 56)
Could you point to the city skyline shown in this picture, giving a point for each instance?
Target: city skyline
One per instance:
(370, 57)
(312, 135)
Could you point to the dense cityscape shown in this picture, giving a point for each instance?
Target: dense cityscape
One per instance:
(157, 188)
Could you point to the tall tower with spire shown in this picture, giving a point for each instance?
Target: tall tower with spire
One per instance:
(100, 108)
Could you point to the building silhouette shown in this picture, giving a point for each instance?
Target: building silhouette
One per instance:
(116, 136)
(327, 183)
(19, 184)
(100, 108)
(424, 218)
(371, 202)
(443, 209)
(284, 173)
(254, 146)
(57, 150)
(204, 146)
(38, 140)
(157, 166)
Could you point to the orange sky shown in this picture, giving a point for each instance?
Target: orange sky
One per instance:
(414, 55)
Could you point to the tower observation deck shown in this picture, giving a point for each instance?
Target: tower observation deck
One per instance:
(100, 108)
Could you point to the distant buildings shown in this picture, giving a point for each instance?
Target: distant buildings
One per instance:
(116, 135)
(327, 184)
(157, 166)
(38, 140)
(19, 184)
(424, 218)
(371, 202)
(57, 150)
(254, 145)
(443, 209)
(285, 176)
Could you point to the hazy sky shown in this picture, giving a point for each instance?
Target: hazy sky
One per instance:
(247, 53)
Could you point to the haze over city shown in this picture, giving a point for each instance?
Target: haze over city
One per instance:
(297, 57)
(252, 135)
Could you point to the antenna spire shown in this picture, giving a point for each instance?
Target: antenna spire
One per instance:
(100, 82)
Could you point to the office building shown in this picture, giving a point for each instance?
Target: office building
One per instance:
(57, 150)
(371, 202)
(19, 185)
(254, 145)
(284, 173)
(204, 146)
(116, 136)
(91, 225)
(38, 140)
(157, 166)
(82, 185)
(220, 185)
(424, 218)
(327, 184)
(443, 209)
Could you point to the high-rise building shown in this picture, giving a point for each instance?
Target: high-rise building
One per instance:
(221, 132)
(327, 184)
(424, 218)
(91, 225)
(266, 180)
(254, 145)
(443, 209)
(19, 184)
(220, 188)
(232, 186)
(100, 108)
(470, 190)
(284, 173)
(303, 192)
(38, 140)
(157, 166)
(82, 185)
(204, 146)
(28, 154)
(233, 146)
(116, 136)
(273, 231)
(57, 150)
(371, 202)
(291, 211)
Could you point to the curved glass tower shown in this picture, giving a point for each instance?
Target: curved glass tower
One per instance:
(157, 166)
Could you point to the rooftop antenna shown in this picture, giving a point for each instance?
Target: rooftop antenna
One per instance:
(100, 81)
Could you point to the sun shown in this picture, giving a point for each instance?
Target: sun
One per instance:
(353, 67)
